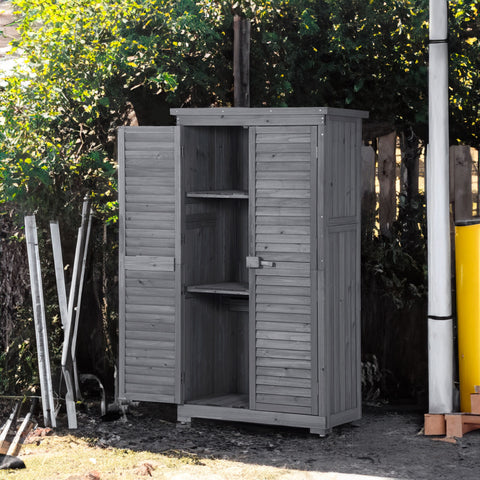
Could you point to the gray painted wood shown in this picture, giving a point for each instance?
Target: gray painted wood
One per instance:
(278, 184)
(147, 263)
(282, 147)
(342, 272)
(215, 229)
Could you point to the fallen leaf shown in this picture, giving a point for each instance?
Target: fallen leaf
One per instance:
(145, 469)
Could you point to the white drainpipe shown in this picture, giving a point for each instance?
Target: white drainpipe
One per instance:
(440, 324)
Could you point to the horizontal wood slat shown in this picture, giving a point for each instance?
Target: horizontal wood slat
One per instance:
(149, 251)
(150, 335)
(160, 393)
(282, 130)
(284, 409)
(166, 362)
(148, 370)
(293, 175)
(282, 362)
(167, 326)
(149, 379)
(149, 309)
(288, 400)
(139, 263)
(150, 292)
(154, 353)
(284, 372)
(284, 327)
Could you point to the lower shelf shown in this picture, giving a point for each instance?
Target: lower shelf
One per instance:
(233, 400)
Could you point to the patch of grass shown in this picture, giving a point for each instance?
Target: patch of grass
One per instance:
(59, 457)
(182, 457)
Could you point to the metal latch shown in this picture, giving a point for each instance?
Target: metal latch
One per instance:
(258, 262)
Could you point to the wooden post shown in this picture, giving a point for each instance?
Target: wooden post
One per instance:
(410, 164)
(69, 368)
(241, 61)
(22, 432)
(386, 178)
(59, 271)
(11, 422)
(368, 190)
(85, 235)
(40, 321)
(461, 181)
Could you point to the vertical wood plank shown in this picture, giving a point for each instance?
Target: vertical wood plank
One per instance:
(368, 195)
(59, 271)
(40, 321)
(322, 209)
(241, 61)
(386, 178)
(461, 159)
(179, 222)
(314, 214)
(85, 229)
(409, 172)
(356, 322)
(252, 357)
(121, 262)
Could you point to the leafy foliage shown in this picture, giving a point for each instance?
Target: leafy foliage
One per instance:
(91, 64)
(396, 265)
(464, 44)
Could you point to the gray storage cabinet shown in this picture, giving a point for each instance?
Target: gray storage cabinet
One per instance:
(240, 265)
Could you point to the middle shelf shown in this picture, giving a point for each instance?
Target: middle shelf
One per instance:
(223, 288)
(232, 194)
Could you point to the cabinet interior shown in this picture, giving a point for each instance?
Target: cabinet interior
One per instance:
(215, 277)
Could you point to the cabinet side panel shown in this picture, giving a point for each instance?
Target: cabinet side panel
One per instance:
(342, 274)
(343, 318)
(147, 263)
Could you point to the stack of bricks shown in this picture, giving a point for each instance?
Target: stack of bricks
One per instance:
(455, 425)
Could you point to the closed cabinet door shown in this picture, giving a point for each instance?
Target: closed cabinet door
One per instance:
(282, 269)
(148, 265)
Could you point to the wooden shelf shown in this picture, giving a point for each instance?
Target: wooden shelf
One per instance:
(228, 194)
(225, 288)
(233, 400)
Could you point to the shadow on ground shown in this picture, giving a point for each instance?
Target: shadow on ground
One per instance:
(385, 443)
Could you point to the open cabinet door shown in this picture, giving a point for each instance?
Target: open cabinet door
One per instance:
(149, 264)
(282, 263)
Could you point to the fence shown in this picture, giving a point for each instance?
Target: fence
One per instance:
(393, 171)
(394, 165)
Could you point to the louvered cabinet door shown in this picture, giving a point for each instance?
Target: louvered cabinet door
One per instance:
(281, 262)
(148, 267)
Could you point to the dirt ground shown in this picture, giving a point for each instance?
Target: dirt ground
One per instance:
(386, 443)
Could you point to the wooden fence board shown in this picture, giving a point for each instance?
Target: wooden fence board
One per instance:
(386, 178)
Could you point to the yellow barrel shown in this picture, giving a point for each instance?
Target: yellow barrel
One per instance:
(467, 261)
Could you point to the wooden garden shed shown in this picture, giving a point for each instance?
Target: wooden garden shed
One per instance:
(240, 265)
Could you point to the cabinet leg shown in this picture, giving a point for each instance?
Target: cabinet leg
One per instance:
(183, 420)
(321, 432)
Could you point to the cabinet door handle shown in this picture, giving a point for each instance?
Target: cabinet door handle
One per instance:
(257, 262)
(265, 263)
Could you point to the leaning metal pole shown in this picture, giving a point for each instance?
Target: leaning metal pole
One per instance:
(440, 323)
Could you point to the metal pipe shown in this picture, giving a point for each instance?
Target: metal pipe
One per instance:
(440, 323)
